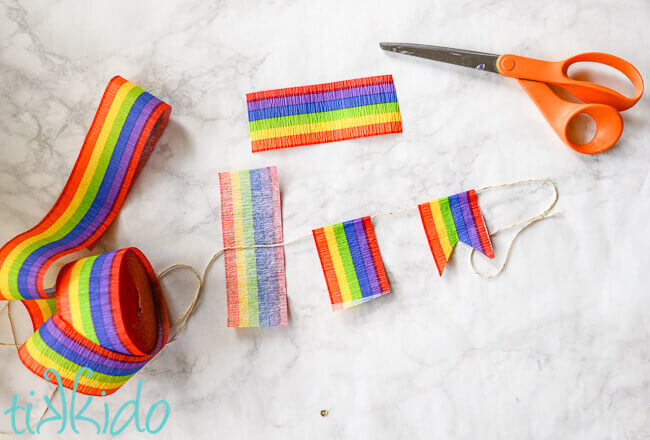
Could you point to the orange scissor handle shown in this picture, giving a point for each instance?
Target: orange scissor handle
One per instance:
(555, 73)
(559, 113)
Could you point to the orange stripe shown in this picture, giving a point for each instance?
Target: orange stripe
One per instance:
(432, 236)
(228, 228)
(328, 266)
(157, 120)
(376, 255)
(326, 136)
(80, 165)
(480, 225)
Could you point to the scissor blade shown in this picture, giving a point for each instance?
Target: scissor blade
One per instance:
(461, 57)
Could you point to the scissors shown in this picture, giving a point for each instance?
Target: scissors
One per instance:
(534, 76)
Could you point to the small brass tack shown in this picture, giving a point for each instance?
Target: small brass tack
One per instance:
(323, 413)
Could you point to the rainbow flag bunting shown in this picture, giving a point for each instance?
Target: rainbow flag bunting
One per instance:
(353, 268)
(255, 278)
(452, 219)
(323, 113)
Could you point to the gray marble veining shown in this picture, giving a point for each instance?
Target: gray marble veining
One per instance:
(557, 347)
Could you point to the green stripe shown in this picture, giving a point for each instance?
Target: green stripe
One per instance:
(334, 115)
(448, 218)
(51, 304)
(91, 193)
(67, 364)
(249, 240)
(84, 300)
(348, 264)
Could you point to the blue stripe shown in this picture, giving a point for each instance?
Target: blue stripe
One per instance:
(268, 216)
(318, 107)
(257, 206)
(456, 212)
(98, 202)
(474, 241)
(80, 355)
(357, 258)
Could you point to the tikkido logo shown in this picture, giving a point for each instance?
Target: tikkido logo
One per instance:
(67, 416)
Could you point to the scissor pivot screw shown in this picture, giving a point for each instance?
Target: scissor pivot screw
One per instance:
(508, 64)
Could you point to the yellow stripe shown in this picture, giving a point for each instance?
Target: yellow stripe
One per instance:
(238, 226)
(73, 300)
(439, 224)
(337, 262)
(79, 194)
(338, 124)
(44, 308)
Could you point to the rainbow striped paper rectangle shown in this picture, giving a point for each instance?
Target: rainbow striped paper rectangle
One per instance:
(255, 278)
(452, 219)
(323, 113)
(353, 268)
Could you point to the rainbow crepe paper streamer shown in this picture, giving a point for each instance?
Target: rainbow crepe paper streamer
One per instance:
(452, 219)
(352, 265)
(255, 278)
(323, 113)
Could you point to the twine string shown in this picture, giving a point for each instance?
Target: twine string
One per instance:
(180, 323)
(546, 213)
(182, 320)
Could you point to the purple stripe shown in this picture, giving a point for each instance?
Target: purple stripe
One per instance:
(116, 185)
(321, 97)
(269, 253)
(367, 257)
(469, 221)
(105, 304)
(82, 351)
(126, 159)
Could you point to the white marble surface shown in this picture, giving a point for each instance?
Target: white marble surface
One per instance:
(558, 347)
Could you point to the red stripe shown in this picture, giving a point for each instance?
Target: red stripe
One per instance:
(432, 237)
(152, 130)
(115, 302)
(483, 235)
(228, 231)
(35, 313)
(62, 289)
(319, 88)
(327, 265)
(376, 256)
(159, 299)
(326, 136)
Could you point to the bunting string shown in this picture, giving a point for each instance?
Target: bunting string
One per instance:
(546, 213)
(181, 321)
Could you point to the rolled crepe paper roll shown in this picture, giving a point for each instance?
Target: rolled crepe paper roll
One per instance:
(111, 317)
(125, 129)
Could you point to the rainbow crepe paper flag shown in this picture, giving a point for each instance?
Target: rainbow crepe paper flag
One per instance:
(255, 278)
(452, 219)
(352, 264)
(323, 113)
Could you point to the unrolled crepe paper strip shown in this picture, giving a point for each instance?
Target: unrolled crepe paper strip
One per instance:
(323, 113)
(353, 268)
(452, 219)
(255, 278)
(127, 125)
(111, 317)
